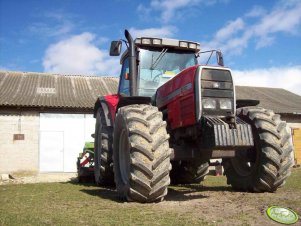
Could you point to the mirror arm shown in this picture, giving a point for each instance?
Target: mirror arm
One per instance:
(125, 42)
(219, 56)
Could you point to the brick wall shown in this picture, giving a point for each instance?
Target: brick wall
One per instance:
(19, 155)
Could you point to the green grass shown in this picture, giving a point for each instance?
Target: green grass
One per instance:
(71, 204)
(74, 204)
(294, 181)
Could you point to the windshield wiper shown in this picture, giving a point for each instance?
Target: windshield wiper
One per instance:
(157, 60)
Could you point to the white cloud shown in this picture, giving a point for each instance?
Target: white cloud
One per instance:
(235, 36)
(173, 9)
(165, 31)
(256, 11)
(233, 45)
(52, 23)
(144, 11)
(230, 29)
(79, 55)
(170, 7)
(264, 41)
(282, 19)
(51, 30)
(288, 78)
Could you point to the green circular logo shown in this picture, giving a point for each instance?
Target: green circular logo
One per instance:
(282, 215)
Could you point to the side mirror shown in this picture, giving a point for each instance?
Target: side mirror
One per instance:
(115, 48)
(220, 58)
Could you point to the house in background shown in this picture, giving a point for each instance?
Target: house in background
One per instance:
(46, 118)
(281, 101)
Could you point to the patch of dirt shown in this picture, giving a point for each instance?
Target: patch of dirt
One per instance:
(41, 178)
(223, 206)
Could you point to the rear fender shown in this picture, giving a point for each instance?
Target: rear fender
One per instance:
(109, 106)
(111, 103)
(125, 100)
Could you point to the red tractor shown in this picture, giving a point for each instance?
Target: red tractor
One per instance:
(172, 115)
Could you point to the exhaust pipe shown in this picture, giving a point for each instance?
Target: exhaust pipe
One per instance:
(132, 64)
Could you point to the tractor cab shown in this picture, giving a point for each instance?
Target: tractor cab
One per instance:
(157, 61)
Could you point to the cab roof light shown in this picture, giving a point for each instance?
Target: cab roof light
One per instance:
(183, 44)
(146, 41)
(138, 40)
(157, 41)
(192, 45)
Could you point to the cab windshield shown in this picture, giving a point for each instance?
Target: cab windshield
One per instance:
(158, 66)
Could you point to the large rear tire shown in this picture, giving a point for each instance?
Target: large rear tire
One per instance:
(270, 163)
(103, 166)
(141, 154)
(188, 172)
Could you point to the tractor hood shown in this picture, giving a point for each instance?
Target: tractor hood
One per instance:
(204, 90)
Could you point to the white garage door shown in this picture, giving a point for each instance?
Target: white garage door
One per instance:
(62, 137)
(52, 156)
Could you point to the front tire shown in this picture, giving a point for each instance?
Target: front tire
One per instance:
(141, 154)
(271, 162)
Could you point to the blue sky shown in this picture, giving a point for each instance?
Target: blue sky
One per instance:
(260, 39)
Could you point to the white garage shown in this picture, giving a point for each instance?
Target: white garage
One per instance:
(62, 137)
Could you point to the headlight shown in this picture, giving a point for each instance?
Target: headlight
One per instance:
(209, 103)
(225, 104)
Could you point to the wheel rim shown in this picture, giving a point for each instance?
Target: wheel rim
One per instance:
(244, 166)
(124, 166)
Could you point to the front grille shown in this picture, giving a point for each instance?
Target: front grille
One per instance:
(217, 84)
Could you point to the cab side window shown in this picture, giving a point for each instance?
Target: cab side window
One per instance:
(124, 84)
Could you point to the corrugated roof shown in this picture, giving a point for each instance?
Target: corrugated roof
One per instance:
(276, 99)
(58, 91)
(53, 90)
